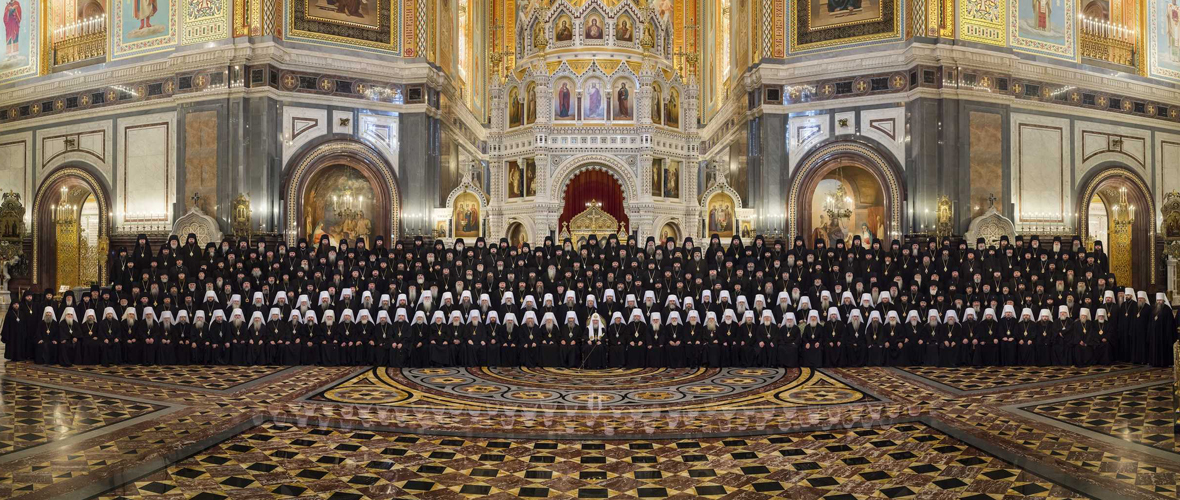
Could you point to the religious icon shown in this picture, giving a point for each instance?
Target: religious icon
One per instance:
(595, 105)
(623, 32)
(514, 108)
(665, 10)
(747, 229)
(593, 30)
(530, 177)
(672, 180)
(1173, 31)
(656, 98)
(563, 108)
(564, 32)
(668, 233)
(1043, 9)
(466, 215)
(657, 177)
(515, 180)
(531, 105)
(12, 17)
(835, 13)
(672, 109)
(720, 215)
(623, 103)
(143, 11)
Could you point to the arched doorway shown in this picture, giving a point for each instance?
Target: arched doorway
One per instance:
(1106, 203)
(593, 186)
(517, 235)
(71, 223)
(343, 189)
(842, 190)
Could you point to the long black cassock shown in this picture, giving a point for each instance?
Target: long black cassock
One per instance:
(67, 342)
(111, 350)
(1161, 335)
(813, 351)
(1100, 342)
(616, 340)
(1026, 333)
(571, 336)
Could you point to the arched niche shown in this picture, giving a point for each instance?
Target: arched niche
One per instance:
(333, 158)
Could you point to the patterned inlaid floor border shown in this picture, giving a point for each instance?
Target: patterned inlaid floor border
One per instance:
(157, 410)
(97, 372)
(1063, 479)
(915, 376)
(1029, 411)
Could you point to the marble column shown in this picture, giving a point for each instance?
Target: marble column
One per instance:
(1173, 284)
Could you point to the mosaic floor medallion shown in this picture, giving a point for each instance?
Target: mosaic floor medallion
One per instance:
(569, 390)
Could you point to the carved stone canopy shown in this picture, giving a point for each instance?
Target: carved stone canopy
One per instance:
(198, 223)
(12, 217)
(991, 226)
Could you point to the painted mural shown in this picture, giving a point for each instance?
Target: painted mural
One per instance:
(335, 204)
(1043, 27)
(143, 27)
(1164, 38)
(828, 23)
(21, 17)
(365, 23)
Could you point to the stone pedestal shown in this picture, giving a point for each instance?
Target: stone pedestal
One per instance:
(5, 301)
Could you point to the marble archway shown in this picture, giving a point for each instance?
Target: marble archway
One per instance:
(79, 184)
(824, 160)
(1105, 184)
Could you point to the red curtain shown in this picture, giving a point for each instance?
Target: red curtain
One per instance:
(593, 185)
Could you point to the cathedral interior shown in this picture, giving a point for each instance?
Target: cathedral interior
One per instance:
(768, 127)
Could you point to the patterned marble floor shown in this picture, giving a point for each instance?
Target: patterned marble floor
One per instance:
(904, 460)
(1144, 415)
(318, 432)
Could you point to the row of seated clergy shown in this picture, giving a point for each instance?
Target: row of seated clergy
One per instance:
(637, 340)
